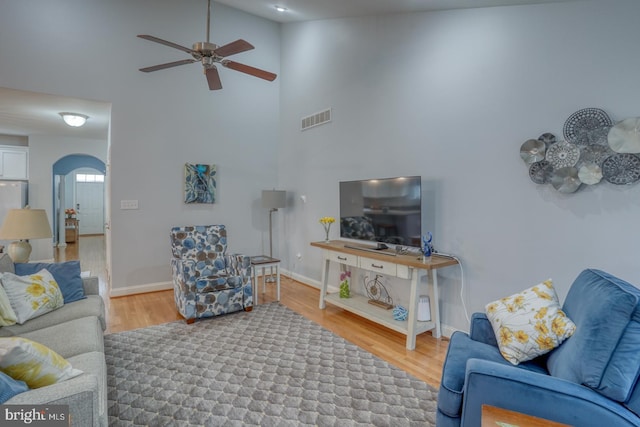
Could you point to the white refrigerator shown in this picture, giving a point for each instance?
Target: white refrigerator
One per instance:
(13, 195)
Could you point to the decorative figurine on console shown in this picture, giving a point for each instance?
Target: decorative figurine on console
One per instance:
(427, 247)
(377, 292)
(345, 278)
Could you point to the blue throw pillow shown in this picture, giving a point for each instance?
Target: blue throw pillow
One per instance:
(67, 274)
(10, 387)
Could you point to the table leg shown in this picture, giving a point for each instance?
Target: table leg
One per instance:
(278, 280)
(435, 302)
(255, 286)
(413, 310)
(323, 285)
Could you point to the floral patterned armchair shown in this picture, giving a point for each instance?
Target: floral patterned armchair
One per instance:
(206, 280)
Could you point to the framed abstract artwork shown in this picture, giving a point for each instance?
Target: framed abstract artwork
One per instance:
(199, 183)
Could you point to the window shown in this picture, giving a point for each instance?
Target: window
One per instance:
(87, 177)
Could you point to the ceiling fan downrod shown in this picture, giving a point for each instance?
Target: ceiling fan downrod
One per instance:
(208, 18)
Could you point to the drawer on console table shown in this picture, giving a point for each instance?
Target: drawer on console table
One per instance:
(382, 267)
(341, 258)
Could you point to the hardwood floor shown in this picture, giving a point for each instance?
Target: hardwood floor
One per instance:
(139, 311)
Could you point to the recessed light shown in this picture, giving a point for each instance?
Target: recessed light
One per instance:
(281, 8)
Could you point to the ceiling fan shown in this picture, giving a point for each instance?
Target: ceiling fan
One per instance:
(209, 54)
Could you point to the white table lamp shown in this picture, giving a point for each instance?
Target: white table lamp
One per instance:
(24, 224)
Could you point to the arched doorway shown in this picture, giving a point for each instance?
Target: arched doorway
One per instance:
(64, 190)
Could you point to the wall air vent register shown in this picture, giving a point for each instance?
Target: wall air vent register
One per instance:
(316, 119)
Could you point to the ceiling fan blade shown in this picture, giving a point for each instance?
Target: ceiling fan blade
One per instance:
(166, 43)
(256, 72)
(233, 48)
(213, 78)
(167, 65)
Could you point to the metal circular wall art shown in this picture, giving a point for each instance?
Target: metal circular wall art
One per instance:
(580, 126)
(621, 169)
(594, 149)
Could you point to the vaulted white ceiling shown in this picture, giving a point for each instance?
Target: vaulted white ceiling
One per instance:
(27, 113)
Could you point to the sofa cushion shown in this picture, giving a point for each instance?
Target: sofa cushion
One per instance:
(461, 349)
(80, 336)
(32, 295)
(67, 275)
(33, 363)
(530, 323)
(10, 387)
(602, 354)
(93, 305)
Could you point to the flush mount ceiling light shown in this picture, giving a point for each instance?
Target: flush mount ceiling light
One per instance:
(74, 119)
(280, 8)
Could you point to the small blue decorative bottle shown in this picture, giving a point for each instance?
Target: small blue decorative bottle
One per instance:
(427, 247)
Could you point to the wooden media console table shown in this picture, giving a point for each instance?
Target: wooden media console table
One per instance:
(386, 262)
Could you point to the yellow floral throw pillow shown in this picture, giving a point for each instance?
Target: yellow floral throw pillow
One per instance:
(33, 363)
(530, 323)
(7, 315)
(32, 296)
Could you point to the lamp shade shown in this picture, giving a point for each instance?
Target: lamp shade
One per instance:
(274, 199)
(24, 224)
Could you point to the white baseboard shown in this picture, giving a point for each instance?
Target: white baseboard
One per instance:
(307, 281)
(301, 278)
(141, 289)
(447, 330)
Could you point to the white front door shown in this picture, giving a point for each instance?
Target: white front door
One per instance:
(90, 207)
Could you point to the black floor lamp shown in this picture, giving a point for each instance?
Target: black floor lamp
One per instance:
(273, 200)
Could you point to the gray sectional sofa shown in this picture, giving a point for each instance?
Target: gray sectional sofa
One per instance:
(74, 331)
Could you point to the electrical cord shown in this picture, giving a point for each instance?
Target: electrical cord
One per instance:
(405, 250)
(464, 306)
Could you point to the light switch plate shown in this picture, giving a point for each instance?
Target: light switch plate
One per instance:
(128, 204)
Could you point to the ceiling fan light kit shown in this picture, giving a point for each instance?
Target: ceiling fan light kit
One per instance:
(208, 54)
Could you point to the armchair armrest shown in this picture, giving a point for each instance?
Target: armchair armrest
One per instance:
(540, 395)
(238, 265)
(481, 329)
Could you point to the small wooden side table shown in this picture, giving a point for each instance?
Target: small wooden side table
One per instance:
(72, 227)
(496, 417)
(264, 261)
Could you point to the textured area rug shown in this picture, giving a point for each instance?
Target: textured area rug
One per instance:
(268, 367)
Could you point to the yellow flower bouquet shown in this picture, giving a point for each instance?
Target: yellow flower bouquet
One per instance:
(326, 222)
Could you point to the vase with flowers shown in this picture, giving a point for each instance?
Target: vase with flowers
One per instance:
(70, 212)
(326, 222)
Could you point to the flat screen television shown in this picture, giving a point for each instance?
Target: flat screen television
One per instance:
(385, 210)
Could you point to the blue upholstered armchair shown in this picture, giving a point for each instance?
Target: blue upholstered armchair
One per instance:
(206, 280)
(591, 379)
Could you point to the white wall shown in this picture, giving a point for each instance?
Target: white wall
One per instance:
(89, 49)
(451, 96)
